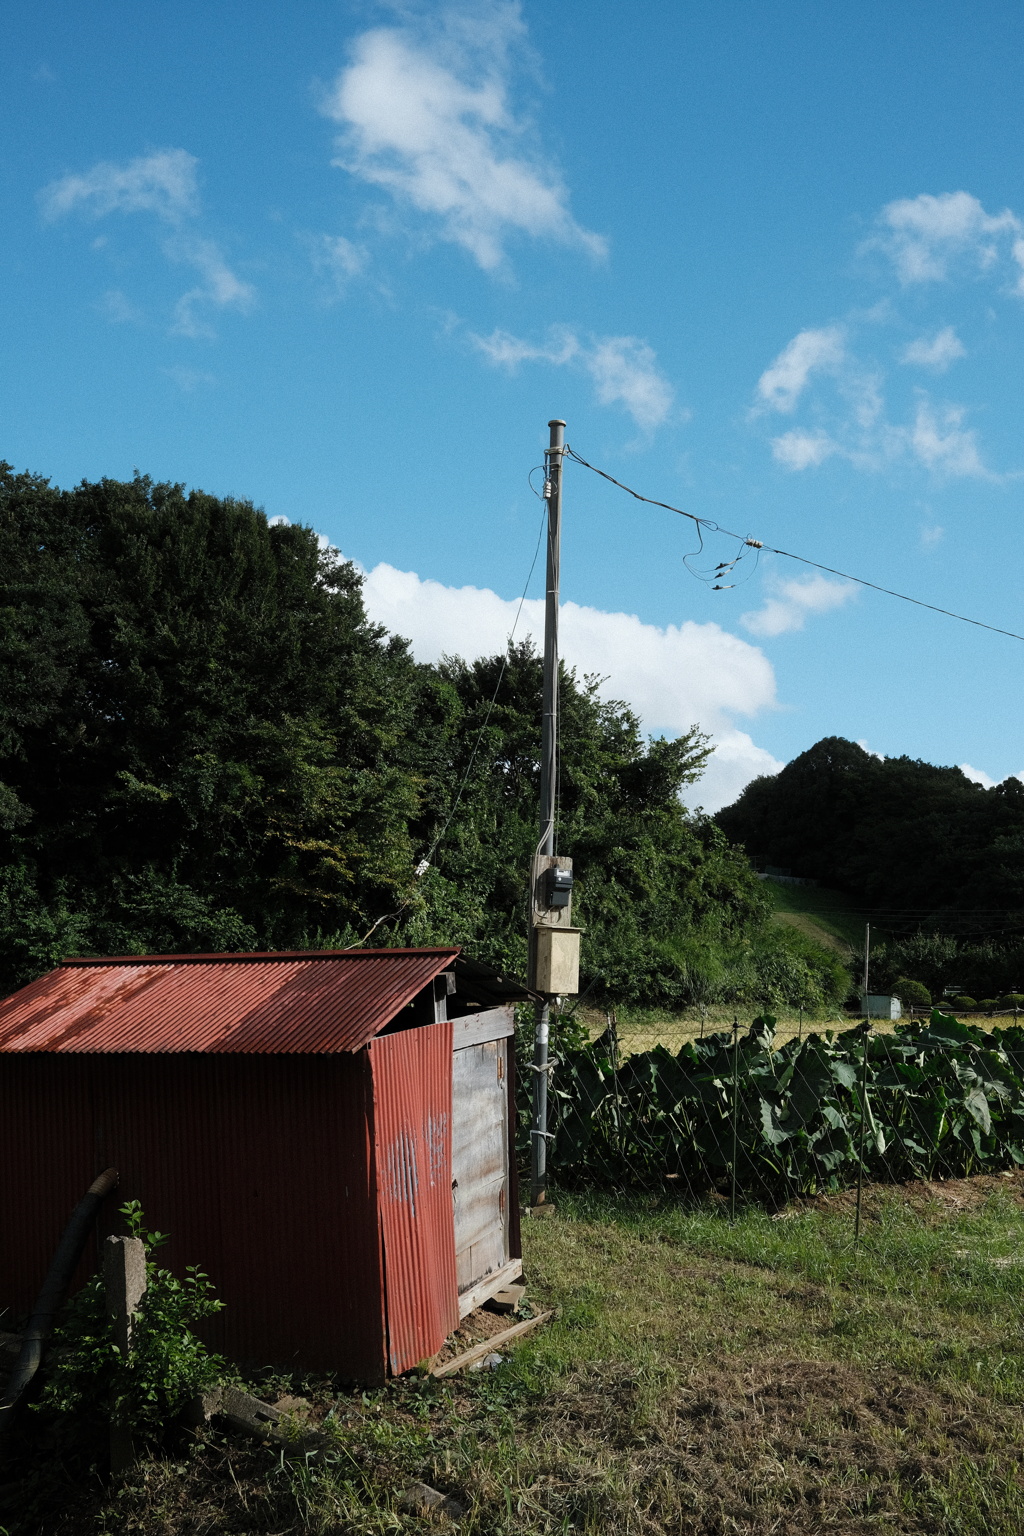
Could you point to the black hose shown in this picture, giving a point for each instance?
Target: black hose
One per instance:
(50, 1298)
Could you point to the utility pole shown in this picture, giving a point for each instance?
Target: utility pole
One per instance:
(554, 943)
(867, 952)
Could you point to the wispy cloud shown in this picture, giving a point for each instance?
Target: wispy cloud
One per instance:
(793, 602)
(936, 352)
(623, 369)
(338, 260)
(119, 309)
(812, 351)
(163, 183)
(220, 287)
(425, 115)
(801, 450)
(941, 443)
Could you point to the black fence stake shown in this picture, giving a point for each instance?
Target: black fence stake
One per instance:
(863, 1127)
(735, 1110)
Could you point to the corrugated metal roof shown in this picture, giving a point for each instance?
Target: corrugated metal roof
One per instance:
(291, 1002)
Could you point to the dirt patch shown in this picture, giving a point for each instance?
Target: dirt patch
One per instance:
(927, 1197)
(474, 1329)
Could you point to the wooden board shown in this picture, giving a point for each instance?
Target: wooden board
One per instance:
(477, 1028)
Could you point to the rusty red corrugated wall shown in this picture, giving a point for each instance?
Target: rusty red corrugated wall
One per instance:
(259, 1167)
(412, 1101)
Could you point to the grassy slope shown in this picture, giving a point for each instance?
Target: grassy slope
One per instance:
(700, 1379)
(823, 914)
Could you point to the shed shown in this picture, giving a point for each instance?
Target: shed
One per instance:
(879, 1005)
(328, 1134)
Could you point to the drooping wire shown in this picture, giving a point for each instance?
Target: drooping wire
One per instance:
(425, 863)
(713, 527)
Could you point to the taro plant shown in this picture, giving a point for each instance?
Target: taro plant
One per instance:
(934, 1098)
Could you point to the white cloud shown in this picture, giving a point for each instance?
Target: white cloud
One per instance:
(801, 450)
(220, 287)
(926, 234)
(812, 351)
(939, 442)
(792, 603)
(735, 761)
(163, 183)
(937, 352)
(979, 776)
(624, 369)
(862, 742)
(931, 534)
(425, 115)
(673, 677)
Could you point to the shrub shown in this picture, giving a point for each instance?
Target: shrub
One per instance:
(963, 1004)
(913, 994)
(88, 1378)
(988, 1004)
(1012, 1000)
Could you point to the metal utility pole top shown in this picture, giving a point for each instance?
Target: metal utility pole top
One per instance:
(549, 737)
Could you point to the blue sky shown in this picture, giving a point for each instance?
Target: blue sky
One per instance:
(767, 260)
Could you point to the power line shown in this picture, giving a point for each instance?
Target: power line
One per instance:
(713, 527)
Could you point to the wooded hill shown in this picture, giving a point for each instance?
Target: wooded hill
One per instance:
(205, 745)
(938, 859)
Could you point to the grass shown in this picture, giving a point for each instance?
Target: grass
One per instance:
(825, 914)
(699, 1379)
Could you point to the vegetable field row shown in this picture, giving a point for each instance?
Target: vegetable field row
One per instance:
(933, 1098)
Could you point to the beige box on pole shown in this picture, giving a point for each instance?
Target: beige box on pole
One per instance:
(558, 961)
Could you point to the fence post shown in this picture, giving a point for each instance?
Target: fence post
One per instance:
(124, 1275)
(735, 1109)
(863, 1127)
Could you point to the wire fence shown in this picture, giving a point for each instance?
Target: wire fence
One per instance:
(741, 1115)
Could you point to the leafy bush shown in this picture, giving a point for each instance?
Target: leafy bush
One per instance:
(88, 1377)
(942, 1097)
(1012, 1000)
(963, 1003)
(913, 994)
(988, 1004)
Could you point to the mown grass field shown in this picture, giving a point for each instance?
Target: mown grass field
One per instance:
(700, 1378)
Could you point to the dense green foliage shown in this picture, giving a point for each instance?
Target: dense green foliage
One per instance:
(900, 833)
(205, 745)
(937, 860)
(88, 1378)
(941, 1098)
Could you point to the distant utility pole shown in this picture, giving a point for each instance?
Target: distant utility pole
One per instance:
(554, 943)
(867, 952)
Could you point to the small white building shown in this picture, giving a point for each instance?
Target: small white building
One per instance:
(877, 1005)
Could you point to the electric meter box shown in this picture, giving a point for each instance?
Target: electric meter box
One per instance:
(557, 956)
(558, 887)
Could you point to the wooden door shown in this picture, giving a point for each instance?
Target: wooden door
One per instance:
(481, 1185)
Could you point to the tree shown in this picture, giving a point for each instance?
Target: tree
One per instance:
(200, 731)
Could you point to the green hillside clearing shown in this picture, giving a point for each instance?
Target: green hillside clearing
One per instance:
(825, 915)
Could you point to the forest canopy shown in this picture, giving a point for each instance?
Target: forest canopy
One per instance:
(205, 745)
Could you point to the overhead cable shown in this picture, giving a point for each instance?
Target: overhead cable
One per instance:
(713, 527)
